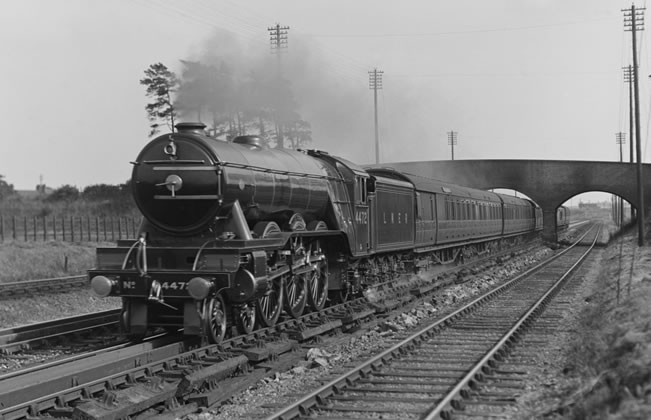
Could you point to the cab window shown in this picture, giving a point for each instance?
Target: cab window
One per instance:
(361, 190)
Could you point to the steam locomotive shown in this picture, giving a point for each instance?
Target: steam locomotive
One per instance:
(235, 233)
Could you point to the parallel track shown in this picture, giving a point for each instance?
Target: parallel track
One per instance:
(53, 285)
(29, 336)
(428, 374)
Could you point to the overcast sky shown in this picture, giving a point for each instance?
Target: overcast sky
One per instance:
(516, 79)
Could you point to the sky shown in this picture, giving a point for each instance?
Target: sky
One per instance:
(515, 79)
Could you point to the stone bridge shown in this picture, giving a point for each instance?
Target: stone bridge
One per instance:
(547, 182)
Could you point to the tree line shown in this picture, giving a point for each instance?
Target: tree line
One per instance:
(257, 103)
(93, 200)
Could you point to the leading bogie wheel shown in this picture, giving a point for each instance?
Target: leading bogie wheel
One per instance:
(295, 294)
(214, 319)
(270, 305)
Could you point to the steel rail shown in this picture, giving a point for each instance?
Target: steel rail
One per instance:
(304, 404)
(44, 366)
(21, 288)
(22, 336)
(442, 408)
(69, 386)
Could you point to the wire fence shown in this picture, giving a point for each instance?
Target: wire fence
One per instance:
(68, 229)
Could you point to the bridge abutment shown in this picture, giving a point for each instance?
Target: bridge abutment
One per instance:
(549, 224)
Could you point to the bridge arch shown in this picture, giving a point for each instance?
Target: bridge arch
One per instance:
(548, 182)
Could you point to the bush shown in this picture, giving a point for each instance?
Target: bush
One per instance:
(6, 189)
(96, 201)
(64, 193)
(102, 192)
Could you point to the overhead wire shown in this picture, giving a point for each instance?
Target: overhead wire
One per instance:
(353, 61)
(445, 33)
(174, 11)
(346, 67)
(244, 28)
(264, 22)
(623, 109)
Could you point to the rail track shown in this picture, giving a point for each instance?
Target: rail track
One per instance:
(11, 290)
(104, 387)
(435, 372)
(126, 381)
(79, 327)
(62, 330)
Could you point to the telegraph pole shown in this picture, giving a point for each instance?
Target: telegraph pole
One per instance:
(633, 22)
(452, 141)
(278, 39)
(375, 83)
(620, 138)
(628, 78)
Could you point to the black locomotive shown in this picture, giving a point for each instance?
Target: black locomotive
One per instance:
(235, 232)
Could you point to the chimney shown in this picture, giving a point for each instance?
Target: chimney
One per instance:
(191, 127)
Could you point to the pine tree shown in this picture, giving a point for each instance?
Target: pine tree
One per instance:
(161, 84)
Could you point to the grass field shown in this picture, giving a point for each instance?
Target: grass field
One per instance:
(37, 260)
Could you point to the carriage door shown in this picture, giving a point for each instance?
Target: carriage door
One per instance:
(361, 215)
